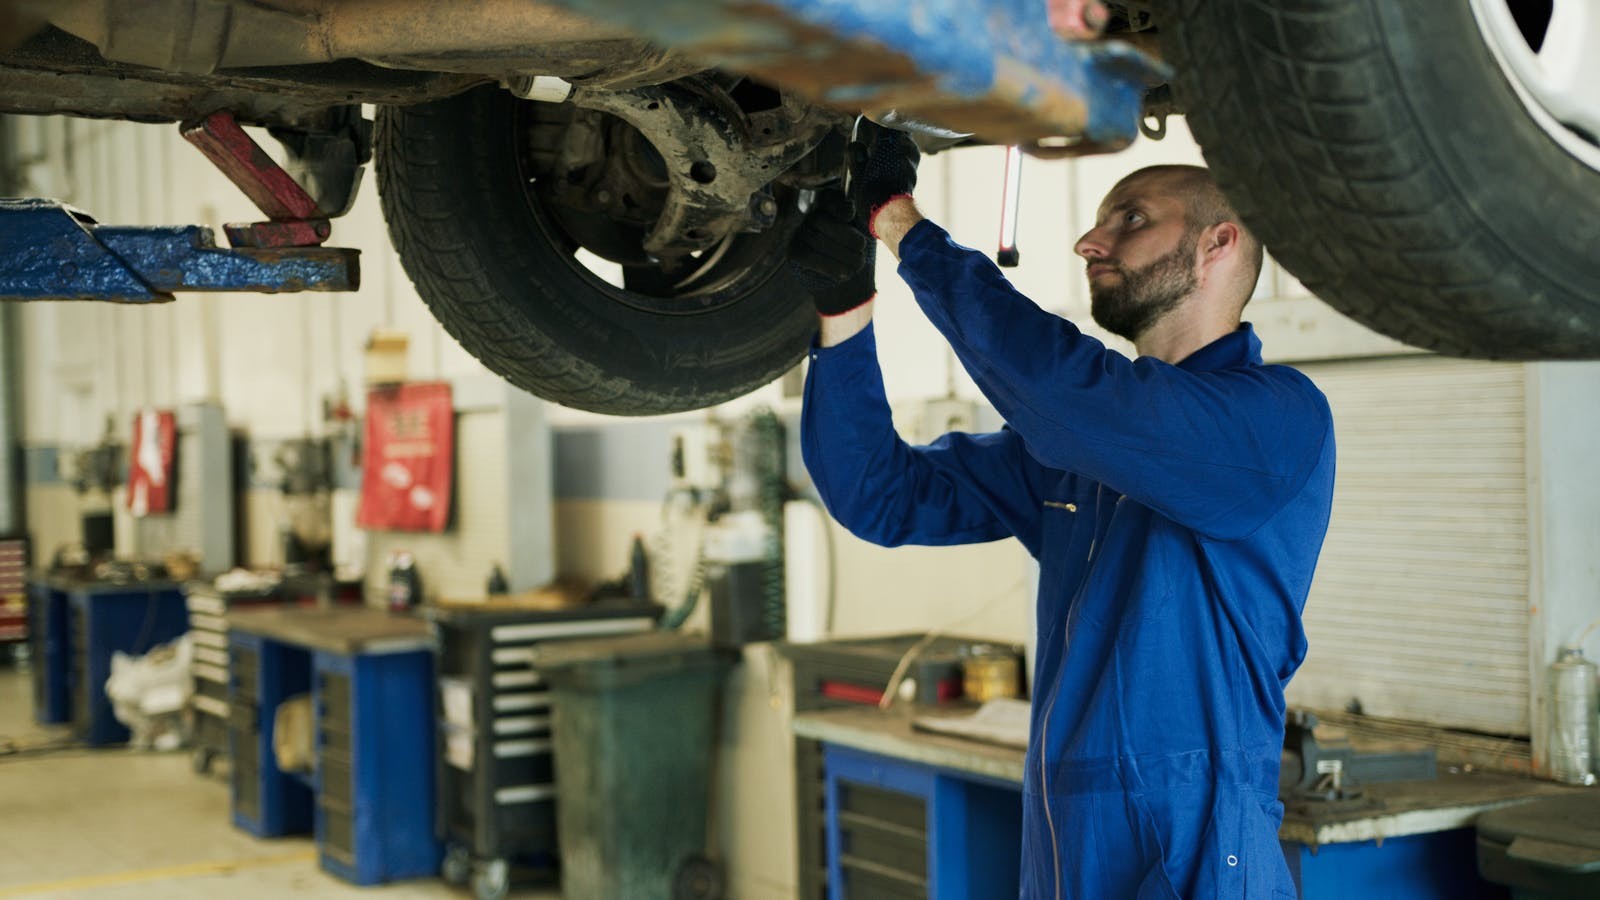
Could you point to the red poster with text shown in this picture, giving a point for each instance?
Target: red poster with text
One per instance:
(155, 438)
(408, 459)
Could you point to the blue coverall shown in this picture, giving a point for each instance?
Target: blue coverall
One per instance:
(1176, 512)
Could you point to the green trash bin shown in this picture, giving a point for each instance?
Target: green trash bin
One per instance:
(635, 721)
(1546, 849)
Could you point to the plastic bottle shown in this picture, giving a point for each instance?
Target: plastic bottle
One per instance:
(497, 581)
(639, 572)
(1573, 718)
(405, 585)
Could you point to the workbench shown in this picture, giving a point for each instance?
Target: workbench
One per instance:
(369, 797)
(78, 624)
(911, 813)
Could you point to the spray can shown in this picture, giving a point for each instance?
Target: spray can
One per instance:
(405, 585)
(1574, 717)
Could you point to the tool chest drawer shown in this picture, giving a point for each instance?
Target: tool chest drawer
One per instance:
(338, 827)
(334, 702)
(246, 668)
(497, 798)
(333, 779)
(883, 841)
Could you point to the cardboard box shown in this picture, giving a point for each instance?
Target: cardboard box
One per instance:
(386, 356)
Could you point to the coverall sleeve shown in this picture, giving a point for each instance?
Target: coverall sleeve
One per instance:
(961, 489)
(1219, 452)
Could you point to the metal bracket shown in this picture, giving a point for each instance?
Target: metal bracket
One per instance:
(50, 251)
(297, 221)
(717, 171)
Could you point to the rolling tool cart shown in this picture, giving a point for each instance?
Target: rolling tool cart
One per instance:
(208, 627)
(496, 781)
(106, 618)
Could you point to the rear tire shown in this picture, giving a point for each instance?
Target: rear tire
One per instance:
(502, 280)
(1384, 158)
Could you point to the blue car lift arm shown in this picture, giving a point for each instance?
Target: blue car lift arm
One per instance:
(994, 68)
(50, 251)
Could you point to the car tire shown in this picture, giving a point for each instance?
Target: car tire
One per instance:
(1385, 159)
(499, 275)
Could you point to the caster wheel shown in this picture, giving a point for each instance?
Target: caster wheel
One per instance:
(201, 761)
(457, 866)
(697, 878)
(492, 880)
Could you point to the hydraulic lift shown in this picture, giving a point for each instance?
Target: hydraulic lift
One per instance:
(50, 251)
(994, 68)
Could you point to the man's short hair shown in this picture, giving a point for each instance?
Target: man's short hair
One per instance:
(1204, 206)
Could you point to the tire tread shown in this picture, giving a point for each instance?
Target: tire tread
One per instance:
(1300, 110)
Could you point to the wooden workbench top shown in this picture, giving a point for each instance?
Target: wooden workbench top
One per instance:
(1452, 801)
(340, 629)
(890, 734)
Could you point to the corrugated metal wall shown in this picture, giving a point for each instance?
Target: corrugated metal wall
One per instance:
(1420, 604)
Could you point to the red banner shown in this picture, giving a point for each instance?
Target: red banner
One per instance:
(155, 438)
(409, 458)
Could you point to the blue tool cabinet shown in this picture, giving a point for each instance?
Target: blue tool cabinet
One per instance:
(375, 770)
(902, 829)
(106, 618)
(52, 653)
(267, 801)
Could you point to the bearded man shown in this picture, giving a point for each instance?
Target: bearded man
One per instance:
(1176, 504)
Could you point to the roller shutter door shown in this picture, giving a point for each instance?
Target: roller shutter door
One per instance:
(1419, 608)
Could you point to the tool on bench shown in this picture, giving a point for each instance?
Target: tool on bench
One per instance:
(1331, 770)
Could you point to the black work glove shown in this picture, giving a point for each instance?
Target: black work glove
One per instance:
(883, 166)
(833, 256)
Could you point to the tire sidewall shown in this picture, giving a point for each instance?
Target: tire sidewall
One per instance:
(649, 362)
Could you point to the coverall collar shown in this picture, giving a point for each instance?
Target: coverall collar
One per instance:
(1240, 347)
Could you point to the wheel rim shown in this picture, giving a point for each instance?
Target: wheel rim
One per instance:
(1551, 56)
(716, 279)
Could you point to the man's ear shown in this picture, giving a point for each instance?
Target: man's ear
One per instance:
(1218, 241)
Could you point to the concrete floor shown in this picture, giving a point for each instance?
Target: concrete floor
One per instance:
(115, 824)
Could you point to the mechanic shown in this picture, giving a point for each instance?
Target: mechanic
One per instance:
(1176, 504)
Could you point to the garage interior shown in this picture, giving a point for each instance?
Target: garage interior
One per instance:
(308, 705)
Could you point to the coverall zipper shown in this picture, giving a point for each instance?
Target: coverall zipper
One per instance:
(1044, 724)
(1044, 788)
